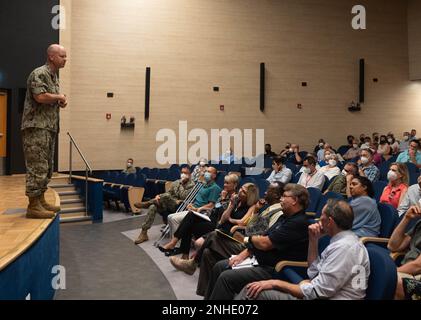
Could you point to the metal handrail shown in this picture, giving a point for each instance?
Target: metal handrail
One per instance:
(88, 168)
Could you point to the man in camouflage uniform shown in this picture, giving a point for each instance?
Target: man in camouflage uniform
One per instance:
(40, 123)
(166, 202)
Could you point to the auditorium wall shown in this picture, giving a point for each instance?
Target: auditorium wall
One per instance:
(414, 39)
(194, 45)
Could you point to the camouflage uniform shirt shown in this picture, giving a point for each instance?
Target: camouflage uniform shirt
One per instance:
(38, 115)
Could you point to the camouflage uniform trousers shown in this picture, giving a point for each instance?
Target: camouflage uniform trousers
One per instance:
(38, 149)
(167, 203)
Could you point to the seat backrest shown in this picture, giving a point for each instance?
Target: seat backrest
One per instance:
(323, 201)
(343, 149)
(378, 189)
(262, 184)
(383, 274)
(315, 195)
(413, 173)
(390, 218)
(296, 177)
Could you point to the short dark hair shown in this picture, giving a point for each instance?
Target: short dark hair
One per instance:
(310, 160)
(341, 212)
(418, 142)
(369, 151)
(354, 167)
(130, 159)
(367, 184)
(278, 160)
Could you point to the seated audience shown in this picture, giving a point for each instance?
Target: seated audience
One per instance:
(311, 177)
(218, 247)
(411, 198)
(384, 148)
(367, 218)
(280, 172)
(394, 145)
(395, 191)
(319, 146)
(331, 169)
(199, 171)
(166, 202)
(287, 150)
(413, 135)
(321, 153)
(205, 199)
(239, 208)
(404, 144)
(400, 241)
(331, 274)
(293, 155)
(413, 154)
(338, 184)
(367, 167)
(287, 239)
(268, 151)
(228, 157)
(129, 167)
(353, 151)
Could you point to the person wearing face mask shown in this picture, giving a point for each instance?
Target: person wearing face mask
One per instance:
(166, 202)
(129, 167)
(367, 167)
(280, 172)
(228, 157)
(205, 200)
(338, 184)
(394, 145)
(384, 148)
(331, 169)
(199, 171)
(404, 144)
(413, 154)
(395, 191)
(412, 198)
(321, 154)
(352, 152)
(331, 273)
(319, 146)
(311, 177)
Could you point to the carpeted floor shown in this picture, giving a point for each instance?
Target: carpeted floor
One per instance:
(184, 286)
(102, 263)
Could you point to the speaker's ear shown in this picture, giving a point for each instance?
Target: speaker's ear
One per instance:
(147, 92)
(262, 86)
(362, 80)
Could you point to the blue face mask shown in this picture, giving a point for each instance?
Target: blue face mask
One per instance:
(207, 176)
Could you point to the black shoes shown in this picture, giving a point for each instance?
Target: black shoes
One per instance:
(169, 252)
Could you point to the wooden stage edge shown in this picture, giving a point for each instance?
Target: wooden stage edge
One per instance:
(18, 234)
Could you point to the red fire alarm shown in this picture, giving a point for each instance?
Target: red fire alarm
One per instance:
(108, 116)
(222, 107)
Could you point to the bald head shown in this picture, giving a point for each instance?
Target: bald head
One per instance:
(56, 56)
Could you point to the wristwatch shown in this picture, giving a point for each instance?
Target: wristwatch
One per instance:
(248, 243)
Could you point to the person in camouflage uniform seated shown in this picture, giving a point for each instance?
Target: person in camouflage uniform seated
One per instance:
(166, 202)
(40, 124)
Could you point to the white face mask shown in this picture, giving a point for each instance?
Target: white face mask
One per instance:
(355, 146)
(307, 170)
(364, 160)
(332, 163)
(184, 176)
(202, 163)
(129, 165)
(390, 140)
(406, 138)
(344, 173)
(321, 144)
(392, 176)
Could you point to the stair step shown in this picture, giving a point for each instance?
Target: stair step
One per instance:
(74, 204)
(60, 185)
(72, 210)
(72, 200)
(76, 217)
(68, 193)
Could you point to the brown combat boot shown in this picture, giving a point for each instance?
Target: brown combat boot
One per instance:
(187, 266)
(143, 236)
(48, 206)
(37, 211)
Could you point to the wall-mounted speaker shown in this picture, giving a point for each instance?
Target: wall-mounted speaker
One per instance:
(262, 86)
(362, 81)
(147, 92)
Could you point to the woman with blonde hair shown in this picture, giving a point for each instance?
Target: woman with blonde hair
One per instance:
(395, 191)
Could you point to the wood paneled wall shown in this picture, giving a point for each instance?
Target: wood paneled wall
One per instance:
(193, 45)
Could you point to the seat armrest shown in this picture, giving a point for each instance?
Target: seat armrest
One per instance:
(282, 264)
